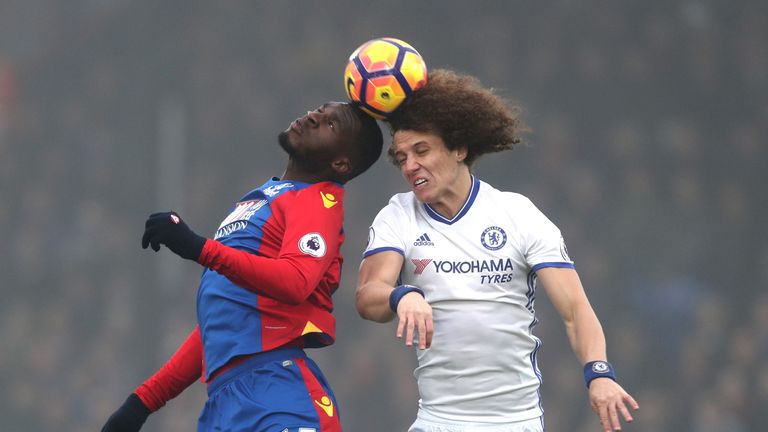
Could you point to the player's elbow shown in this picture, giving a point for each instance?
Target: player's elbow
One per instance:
(363, 311)
(295, 296)
(288, 291)
(369, 315)
(295, 285)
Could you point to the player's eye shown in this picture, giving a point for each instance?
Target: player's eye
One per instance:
(331, 125)
(421, 149)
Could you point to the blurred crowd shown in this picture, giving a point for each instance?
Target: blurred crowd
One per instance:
(649, 124)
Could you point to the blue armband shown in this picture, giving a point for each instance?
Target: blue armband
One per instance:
(598, 369)
(399, 292)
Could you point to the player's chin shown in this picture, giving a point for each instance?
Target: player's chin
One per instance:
(423, 195)
(284, 139)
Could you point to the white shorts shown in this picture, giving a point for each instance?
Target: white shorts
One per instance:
(532, 425)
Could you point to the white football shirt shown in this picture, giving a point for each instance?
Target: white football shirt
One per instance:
(477, 272)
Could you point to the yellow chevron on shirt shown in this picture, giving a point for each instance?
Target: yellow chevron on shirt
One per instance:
(311, 328)
(329, 200)
(326, 404)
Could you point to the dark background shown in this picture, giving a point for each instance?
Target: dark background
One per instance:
(648, 148)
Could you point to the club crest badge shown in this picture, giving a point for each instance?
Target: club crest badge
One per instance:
(493, 238)
(600, 367)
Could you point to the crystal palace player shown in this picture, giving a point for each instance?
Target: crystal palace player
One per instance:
(266, 290)
(468, 257)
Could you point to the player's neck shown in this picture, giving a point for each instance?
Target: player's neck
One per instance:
(295, 172)
(454, 197)
(301, 177)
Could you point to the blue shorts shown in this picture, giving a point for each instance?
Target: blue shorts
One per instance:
(279, 390)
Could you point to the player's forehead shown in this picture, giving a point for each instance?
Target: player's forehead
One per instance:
(333, 106)
(406, 140)
(343, 113)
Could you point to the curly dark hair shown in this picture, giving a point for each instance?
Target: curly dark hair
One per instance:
(462, 112)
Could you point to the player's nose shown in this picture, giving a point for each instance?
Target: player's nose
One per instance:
(313, 118)
(410, 165)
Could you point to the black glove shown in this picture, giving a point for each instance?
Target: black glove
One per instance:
(168, 229)
(129, 417)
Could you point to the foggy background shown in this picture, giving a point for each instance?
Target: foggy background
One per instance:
(648, 149)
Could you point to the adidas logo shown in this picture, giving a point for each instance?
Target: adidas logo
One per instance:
(424, 240)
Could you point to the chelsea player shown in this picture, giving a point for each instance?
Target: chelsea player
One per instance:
(458, 261)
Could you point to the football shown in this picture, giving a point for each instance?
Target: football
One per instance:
(381, 73)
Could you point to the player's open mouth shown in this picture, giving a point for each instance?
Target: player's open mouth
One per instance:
(296, 126)
(419, 182)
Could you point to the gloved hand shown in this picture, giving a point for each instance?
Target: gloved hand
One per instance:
(167, 228)
(129, 417)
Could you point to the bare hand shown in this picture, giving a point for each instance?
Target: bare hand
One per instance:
(415, 314)
(608, 399)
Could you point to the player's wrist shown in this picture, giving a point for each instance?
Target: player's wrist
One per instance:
(195, 247)
(598, 369)
(137, 408)
(130, 416)
(399, 292)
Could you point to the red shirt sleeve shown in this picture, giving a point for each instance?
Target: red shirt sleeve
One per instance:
(310, 225)
(178, 373)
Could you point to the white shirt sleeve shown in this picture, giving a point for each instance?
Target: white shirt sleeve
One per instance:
(544, 244)
(383, 234)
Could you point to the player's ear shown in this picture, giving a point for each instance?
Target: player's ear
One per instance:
(461, 154)
(342, 166)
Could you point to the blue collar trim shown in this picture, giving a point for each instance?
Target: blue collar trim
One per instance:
(464, 209)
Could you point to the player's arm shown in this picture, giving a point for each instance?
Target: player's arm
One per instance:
(377, 296)
(585, 334)
(377, 278)
(297, 269)
(179, 372)
(289, 278)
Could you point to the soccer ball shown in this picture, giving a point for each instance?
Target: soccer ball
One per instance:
(381, 73)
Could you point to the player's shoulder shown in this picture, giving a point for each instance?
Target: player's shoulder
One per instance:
(326, 187)
(402, 200)
(511, 199)
(322, 195)
(399, 206)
